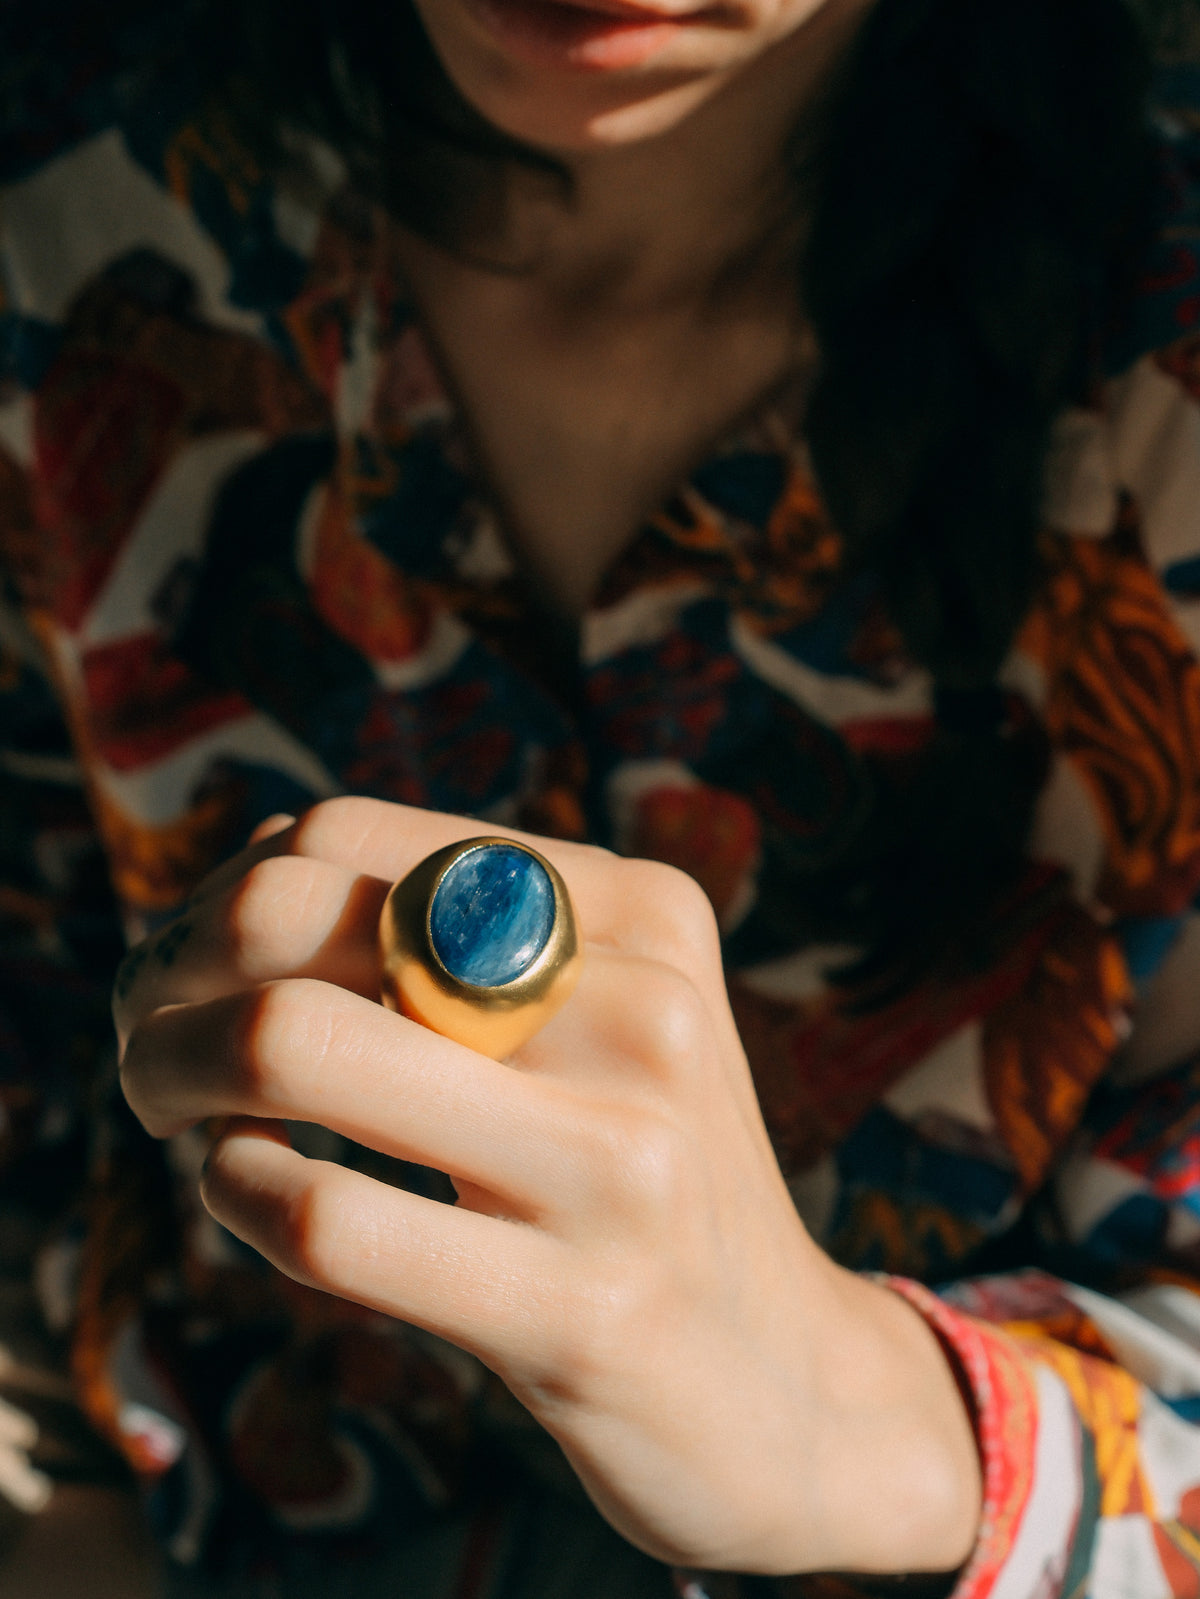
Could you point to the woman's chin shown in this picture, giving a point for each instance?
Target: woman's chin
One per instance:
(608, 123)
(582, 86)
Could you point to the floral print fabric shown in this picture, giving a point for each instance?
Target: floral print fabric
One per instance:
(247, 565)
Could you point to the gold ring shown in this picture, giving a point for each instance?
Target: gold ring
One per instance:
(479, 943)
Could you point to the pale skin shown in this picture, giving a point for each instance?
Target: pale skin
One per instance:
(624, 1252)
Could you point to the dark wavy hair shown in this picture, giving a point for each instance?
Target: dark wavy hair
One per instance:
(981, 197)
(986, 196)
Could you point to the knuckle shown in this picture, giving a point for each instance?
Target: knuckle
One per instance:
(671, 904)
(141, 1082)
(324, 829)
(132, 1075)
(594, 855)
(151, 975)
(317, 1229)
(260, 900)
(282, 1024)
(681, 892)
(678, 892)
(672, 1022)
(645, 1160)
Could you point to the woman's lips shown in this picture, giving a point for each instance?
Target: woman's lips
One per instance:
(605, 36)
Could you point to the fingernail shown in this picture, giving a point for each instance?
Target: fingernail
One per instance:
(270, 825)
(215, 1129)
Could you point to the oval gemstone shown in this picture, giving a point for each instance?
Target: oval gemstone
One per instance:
(491, 915)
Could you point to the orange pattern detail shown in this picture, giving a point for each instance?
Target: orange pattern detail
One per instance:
(207, 146)
(1109, 1403)
(1123, 703)
(1179, 1551)
(1046, 1046)
(363, 597)
(820, 1067)
(153, 867)
(900, 1234)
(777, 577)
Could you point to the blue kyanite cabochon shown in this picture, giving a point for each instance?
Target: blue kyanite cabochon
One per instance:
(492, 915)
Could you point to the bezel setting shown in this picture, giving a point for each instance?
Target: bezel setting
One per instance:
(494, 1020)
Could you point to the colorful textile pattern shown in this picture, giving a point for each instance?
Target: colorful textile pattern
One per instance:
(247, 564)
(1109, 1504)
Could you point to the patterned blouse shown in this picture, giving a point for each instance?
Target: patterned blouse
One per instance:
(246, 565)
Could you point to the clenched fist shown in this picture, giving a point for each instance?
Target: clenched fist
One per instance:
(623, 1253)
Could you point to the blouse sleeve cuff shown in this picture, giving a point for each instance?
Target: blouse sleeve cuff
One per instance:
(1028, 1437)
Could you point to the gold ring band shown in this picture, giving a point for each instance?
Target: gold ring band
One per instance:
(478, 942)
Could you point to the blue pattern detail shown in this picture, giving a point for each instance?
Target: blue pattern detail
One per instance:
(492, 915)
(266, 273)
(883, 1154)
(1167, 302)
(825, 641)
(410, 525)
(687, 697)
(27, 348)
(1183, 578)
(746, 485)
(1146, 942)
(1135, 1231)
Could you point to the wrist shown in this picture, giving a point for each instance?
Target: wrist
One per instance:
(899, 1438)
(890, 1476)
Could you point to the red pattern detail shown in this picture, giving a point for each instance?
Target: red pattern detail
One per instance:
(104, 429)
(1181, 361)
(362, 596)
(1000, 1383)
(144, 703)
(1184, 268)
(1159, 1139)
(699, 685)
(820, 1068)
(709, 833)
(887, 735)
(1180, 1572)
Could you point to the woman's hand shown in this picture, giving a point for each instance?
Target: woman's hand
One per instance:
(624, 1252)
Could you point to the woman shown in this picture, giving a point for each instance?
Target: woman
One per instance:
(395, 395)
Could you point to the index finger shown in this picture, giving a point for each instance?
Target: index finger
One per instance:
(642, 908)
